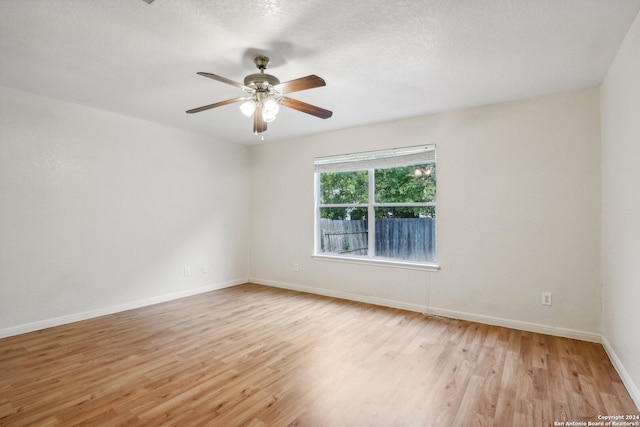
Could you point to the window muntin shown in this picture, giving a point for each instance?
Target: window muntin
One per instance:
(378, 205)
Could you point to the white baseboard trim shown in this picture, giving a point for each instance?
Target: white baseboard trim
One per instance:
(518, 324)
(632, 388)
(338, 294)
(76, 317)
(421, 308)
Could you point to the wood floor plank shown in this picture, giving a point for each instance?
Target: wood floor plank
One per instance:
(258, 356)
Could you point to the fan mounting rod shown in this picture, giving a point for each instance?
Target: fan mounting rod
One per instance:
(261, 80)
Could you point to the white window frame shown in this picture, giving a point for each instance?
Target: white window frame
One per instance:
(370, 161)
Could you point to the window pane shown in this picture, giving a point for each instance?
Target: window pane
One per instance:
(403, 234)
(344, 231)
(344, 187)
(406, 184)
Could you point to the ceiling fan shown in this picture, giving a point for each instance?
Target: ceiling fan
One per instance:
(266, 94)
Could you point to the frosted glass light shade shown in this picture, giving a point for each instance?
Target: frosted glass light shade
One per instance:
(248, 107)
(270, 105)
(268, 116)
(270, 108)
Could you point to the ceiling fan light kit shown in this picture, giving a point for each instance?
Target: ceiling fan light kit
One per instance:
(267, 94)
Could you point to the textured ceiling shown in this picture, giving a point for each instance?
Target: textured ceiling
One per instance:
(382, 60)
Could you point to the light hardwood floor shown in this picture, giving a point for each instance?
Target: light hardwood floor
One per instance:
(258, 356)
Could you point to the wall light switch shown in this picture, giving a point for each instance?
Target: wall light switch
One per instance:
(187, 271)
(205, 269)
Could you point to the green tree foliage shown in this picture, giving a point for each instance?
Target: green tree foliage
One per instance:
(393, 185)
(344, 188)
(343, 213)
(404, 185)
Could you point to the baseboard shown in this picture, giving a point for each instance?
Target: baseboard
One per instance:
(421, 308)
(342, 295)
(518, 324)
(632, 388)
(76, 317)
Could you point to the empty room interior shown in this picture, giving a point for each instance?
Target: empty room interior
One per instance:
(319, 213)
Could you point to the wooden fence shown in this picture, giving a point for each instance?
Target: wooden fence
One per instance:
(344, 237)
(411, 239)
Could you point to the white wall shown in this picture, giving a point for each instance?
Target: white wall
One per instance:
(620, 109)
(518, 214)
(100, 212)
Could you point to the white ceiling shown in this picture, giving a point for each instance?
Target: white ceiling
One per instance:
(382, 60)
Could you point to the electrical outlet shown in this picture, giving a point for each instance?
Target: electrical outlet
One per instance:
(296, 267)
(187, 271)
(546, 298)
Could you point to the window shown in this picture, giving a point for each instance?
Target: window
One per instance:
(377, 205)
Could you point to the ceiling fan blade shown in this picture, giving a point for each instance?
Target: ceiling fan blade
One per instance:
(306, 108)
(217, 104)
(225, 80)
(303, 83)
(259, 125)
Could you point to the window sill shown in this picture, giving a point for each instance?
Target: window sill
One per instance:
(378, 261)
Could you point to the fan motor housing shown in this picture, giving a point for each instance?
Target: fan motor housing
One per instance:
(261, 80)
